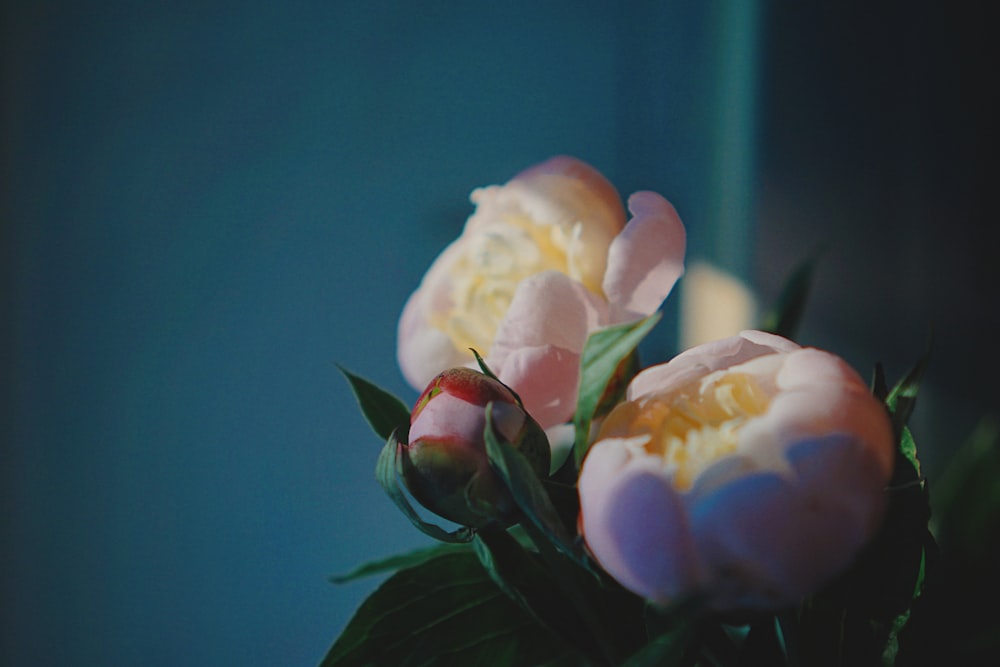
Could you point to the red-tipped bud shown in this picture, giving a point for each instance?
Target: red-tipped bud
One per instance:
(444, 464)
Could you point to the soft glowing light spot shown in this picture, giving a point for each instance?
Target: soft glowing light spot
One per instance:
(714, 305)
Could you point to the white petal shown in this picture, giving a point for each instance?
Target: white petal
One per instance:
(649, 552)
(645, 259)
(548, 309)
(704, 359)
(546, 378)
(423, 351)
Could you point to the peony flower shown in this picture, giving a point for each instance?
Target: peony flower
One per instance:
(748, 471)
(444, 463)
(542, 262)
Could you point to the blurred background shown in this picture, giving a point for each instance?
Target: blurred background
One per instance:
(207, 206)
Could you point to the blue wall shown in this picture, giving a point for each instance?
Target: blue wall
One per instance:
(205, 209)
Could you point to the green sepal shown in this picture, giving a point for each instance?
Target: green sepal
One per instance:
(383, 411)
(488, 372)
(386, 472)
(610, 615)
(445, 611)
(604, 351)
(900, 401)
(527, 489)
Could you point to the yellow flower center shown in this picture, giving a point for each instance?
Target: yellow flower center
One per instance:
(693, 426)
(497, 258)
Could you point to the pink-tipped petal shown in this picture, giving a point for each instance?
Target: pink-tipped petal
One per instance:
(546, 378)
(547, 309)
(646, 259)
(601, 198)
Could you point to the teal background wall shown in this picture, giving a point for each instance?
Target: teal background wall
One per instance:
(206, 206)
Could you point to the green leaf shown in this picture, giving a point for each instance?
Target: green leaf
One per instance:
(891, 650)
(521, 575)
(675, 641)
(878, 384)
(604, 351)
(901, 401)
(601, 609)
(863, 612)
(446, 611)
(673, 649)
(399, 561)
(966, 500)
(862, 617)
(386, 474)
(787, 313)
(384, 412)
(527, 490)
(488, 372)
(598, 617)
(966, 496)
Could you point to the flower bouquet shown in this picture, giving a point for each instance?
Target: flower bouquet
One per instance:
(749, 501)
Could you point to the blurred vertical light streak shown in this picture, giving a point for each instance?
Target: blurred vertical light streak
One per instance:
(716, 300)
(732, 180)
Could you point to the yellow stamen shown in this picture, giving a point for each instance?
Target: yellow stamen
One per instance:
(497, 258)
(692, 426)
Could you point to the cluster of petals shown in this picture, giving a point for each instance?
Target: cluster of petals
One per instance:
(744, 472)
(544, 260)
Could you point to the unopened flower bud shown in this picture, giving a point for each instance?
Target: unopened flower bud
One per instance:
(444, 463)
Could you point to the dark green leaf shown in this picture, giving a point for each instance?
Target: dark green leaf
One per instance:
(675, 640)
(602, 610)
(675, 649)
(862, 617)
(446, 611)
(384, 412)
(502, 556)
(488, 372)
(603, 353)
(966, 496)
(788, 632)
(521, 575)
(956, 616)
(385, 473)
(891, 650)
(526, 488)
(763, 644)
(398, 562)
(858, 618)
(901, 401)
(787, 313)
(879, 387)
